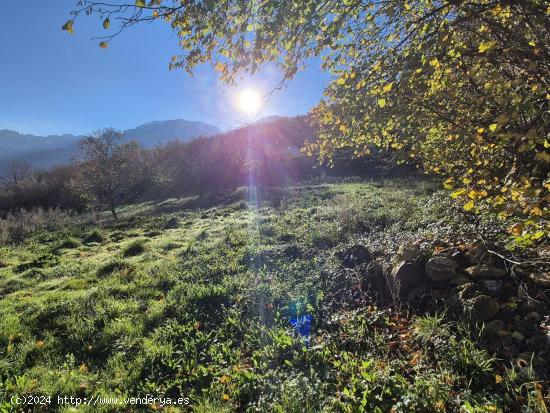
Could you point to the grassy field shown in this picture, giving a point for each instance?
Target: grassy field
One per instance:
(196, 298)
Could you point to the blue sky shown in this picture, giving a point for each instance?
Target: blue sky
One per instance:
(52, 82)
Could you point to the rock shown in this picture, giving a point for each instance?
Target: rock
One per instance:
(529, 305)
(408, 252)
(533, 317)
(542, 279)
(460, 279)
(455, 304)
(481, 308)
(468, 291)
(404, 278)
(516, 335)
(416, 293)
(354, 255)
(440, 268)
(493, 327)
(374, 275)
(460, 258)
(478, 254)
(485, 271)
(492, 287)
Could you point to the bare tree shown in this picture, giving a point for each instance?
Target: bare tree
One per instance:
(18, 170)
(110, 169)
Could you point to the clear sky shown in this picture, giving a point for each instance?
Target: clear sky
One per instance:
(52, 82)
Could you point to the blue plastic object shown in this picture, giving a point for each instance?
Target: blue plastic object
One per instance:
(302, 325)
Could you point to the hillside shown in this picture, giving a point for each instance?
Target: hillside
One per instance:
(273, 301)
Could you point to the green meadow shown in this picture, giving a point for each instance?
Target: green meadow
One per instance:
(194, 298)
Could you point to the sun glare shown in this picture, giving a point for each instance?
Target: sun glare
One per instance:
(249, 101)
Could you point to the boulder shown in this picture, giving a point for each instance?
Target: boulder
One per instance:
(408, 252)
(373, 277)
(460, 279)
(485, 271)
(493, 327)
(354, 255)
(516, 335)
(404, 278)
(440, 268)
(481, 308)
(541, 279)
(416, 293)
(477, 253)
(492, 287)
(470, 290)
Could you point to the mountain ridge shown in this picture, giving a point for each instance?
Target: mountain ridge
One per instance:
(47, 151)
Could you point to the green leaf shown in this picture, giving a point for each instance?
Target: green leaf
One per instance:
(140, 3)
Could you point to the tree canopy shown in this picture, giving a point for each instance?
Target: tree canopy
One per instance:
(458, 87)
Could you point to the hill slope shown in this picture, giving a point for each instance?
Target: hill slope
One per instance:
(261, 301)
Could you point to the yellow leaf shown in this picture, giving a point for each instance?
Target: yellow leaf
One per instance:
(68, 26)
(468, 206)
(220, 67)
(466, 180)
(485, 46)
(103, 45)
(435, 62)
(388, 87)
(456, 194)
(382, 102)
(106, 23)
(140, 3)
(493, 127)
(341, 81)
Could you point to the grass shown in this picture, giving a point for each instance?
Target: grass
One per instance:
(192, 298)
(134, 248)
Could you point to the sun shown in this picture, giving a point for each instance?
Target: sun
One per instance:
(249, 101)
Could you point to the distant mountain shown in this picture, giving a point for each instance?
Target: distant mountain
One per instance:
(47, 151)
(158, 133)
(39, 151)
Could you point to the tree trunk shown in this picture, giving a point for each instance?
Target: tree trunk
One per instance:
(113, 211)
